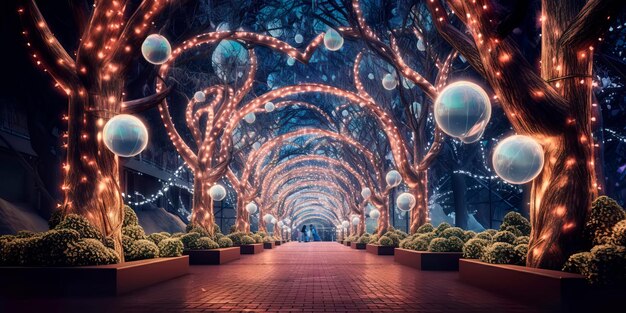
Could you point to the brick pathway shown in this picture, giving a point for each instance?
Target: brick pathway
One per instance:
(295, 277)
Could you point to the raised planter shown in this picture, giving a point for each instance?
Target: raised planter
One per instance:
(100, 280)
(251, 249)
(428, 261)
(268, 245)
(278, 243)
(379, 250)
(358, 246)
(213, 256)
(347, 243)
(545, 287)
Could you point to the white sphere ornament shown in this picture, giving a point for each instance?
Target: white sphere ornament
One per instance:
(333, 40)
(462, 109)
(345, 224)
(375, 214)
(217, 192)
(251, 208)
(344, 113)
(280, 224)
(269, 107)
(298, 38)
(227, 55)
(389, 81)
(291, 61)
(420, 45)
(287, 221)
(370, 75)
(267, 218)
(393, 178)
(250, 118)
(274, 220)
(405, 201)
(518, 159)
(125, 135)
(256, 146)
(199, 96)
(366, 193)
(156, 49)
(356, 221)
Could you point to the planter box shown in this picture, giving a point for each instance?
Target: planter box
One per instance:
(278, 243)
(213, 256)
(380, 250)
(546, 287)
(100, 280)
(347, 243)
(428, 261)
(358, 246)
(268, 245)
(251, 249)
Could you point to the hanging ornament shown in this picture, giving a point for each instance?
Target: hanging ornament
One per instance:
(420, 45)
(345, 224)
(280, 224)
(462, 109)
(417, 109)
(375, 214)
(298, 38)
(366, 193)
(251, 208)
(217, 192)
(344, 113)
(199, 96)
(250, 118)
(389, 81)
(291, 61)
(156, 49)
(228, 56)
(274, 220)
(370, 76)
(333, 40)
(267, 218)
(269, 107)
(356, 221)
(518, 159)
(393, 178)
(125, 135)
(405, 201)
(256, 146)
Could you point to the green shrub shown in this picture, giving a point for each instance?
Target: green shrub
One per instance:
(365, 238)
(420, 244)
(268, 239)
(204, 243)
(605, 213)
(177, 235)
(135, 232)
(26, 234)
(443, 226)
(428, 237)
(619, 233)
(52, 246)
(401, 235)
(500, 253)
(452, 231)
(473, 248)
(490, 231)
(522, 252)
(394, 237)
(109, 243)
(513, 230)
(56, 218)
(385, 241)
(89, 251)
(236, 237)
(426, 228)
(607, 265)
(373, 239)
(142, 249)
(521, 240)
(504, 236)
(578, 263)
(198, 229)
(438, 245)
(225, 242)
(127, 242)
(467, 235)
(157, 238)
(81, 225)
(170, 247)
(516, 220)
(217, 236)
(130, 217)
(257, 238)
(190, 240)
(247, 240)
(484, 235)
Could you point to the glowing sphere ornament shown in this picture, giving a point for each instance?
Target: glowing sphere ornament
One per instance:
(217, 192)
(375, 214)
(393, 178)
(370, 75)
(462, 110)
(267, 218)
(269, 107)
(344, 113)
(251, 208)
(420, 45)
(256, 146)
(405, 201)
(356, 221)
(389, 82)
(156, 49)
(229, 58)
(250, 118)
(199, 96)
(291, 61)
(274, 220)
(518, 159)
(280, 224)
(125, 135)
(287, 221)
(366, 193)
(333, 40)
(298, 38)
(345, 224)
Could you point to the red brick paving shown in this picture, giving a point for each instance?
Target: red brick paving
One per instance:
(294, 277)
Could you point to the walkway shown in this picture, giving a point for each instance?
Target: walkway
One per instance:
(298, 277)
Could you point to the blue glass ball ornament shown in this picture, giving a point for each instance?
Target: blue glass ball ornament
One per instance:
(462, 110)
(333, 40)
(389, 81)
(125, 135)
(156, 49)
(298, 38)
(229, 59)
(518, 159)
(217, 192)
(405, 201)
(393, 178)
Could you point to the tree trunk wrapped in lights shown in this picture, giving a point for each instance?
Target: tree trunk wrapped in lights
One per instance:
(94, 82)
(554, 107)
